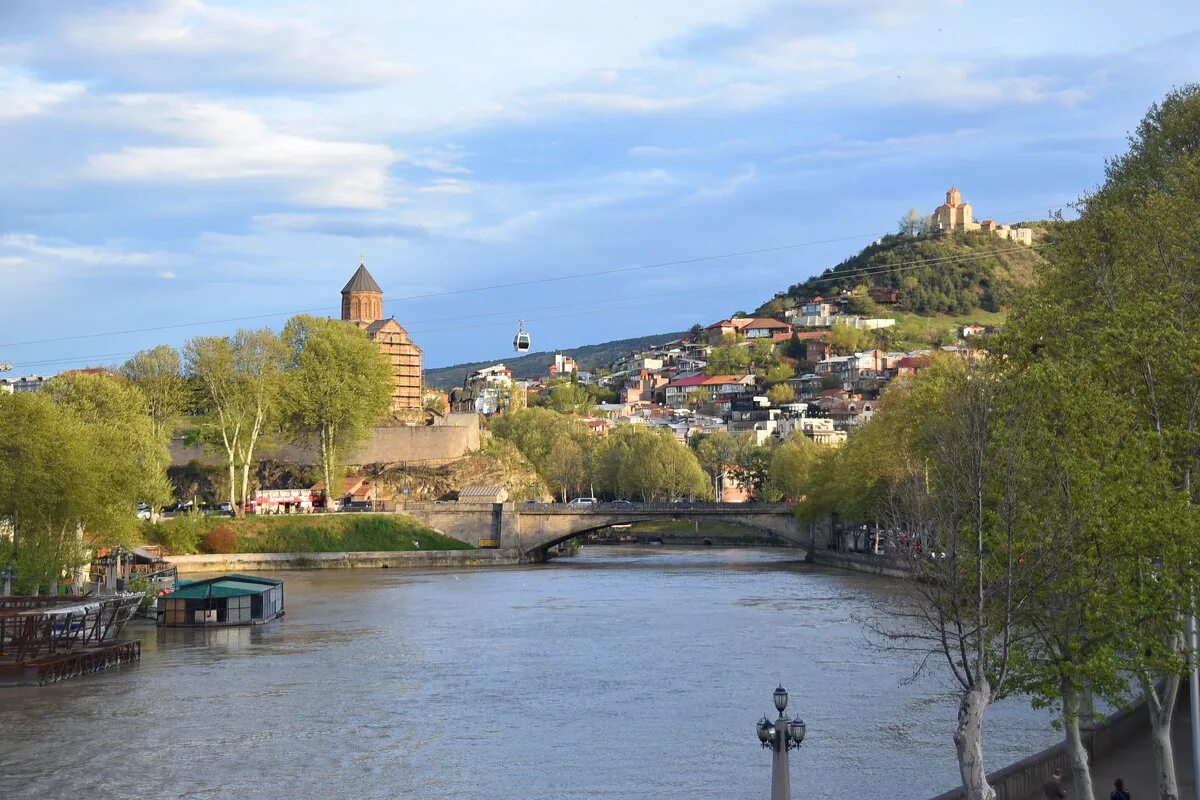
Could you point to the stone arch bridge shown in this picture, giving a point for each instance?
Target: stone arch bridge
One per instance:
(532, 529)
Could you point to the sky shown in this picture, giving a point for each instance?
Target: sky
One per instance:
(174, 168)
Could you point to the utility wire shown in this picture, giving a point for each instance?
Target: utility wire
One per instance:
(625, 304)
(536, 281)
(453, 292)
(902, 266)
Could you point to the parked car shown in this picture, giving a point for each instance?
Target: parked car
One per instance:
(534, 504)
(583, 501)
(226, 508)
(621, 504)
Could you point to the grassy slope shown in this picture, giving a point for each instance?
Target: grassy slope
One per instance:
(588, 356)
(314, 533)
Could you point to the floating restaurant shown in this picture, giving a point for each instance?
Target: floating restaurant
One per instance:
(45, 639)
(233, 599)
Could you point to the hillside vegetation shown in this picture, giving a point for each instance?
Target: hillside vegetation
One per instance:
(950, 274)
(298, 533)
(588, 357)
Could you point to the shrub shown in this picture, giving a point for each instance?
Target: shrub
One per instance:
(219, 540)
(180, 536)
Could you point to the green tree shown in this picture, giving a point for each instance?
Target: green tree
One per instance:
(338, 385)
(120, 415)
(1116, 304)
(569, 397)
(535, 432)
(751, 465)
(914, 223)
(960, 486)
(781, 393)
(564, 468)
(731, 357)
(846, 339)
(61, 477)
(790, 474)
(157, 373)
(1106, 511)
(637, 461)
(779, 373)
(762, 355)
(716, 453)
(237, 382)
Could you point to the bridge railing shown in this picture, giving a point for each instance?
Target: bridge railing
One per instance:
(596, 508)
(681, 508)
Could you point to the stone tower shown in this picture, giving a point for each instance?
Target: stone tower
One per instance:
(954, 214)
(362, 306)
(362, 299)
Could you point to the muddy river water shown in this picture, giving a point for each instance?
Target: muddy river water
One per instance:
(619, 673)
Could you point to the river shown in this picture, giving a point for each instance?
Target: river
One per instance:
(620, 673)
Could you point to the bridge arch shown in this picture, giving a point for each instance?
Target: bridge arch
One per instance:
(541, 529)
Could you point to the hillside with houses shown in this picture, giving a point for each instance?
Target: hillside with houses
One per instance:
(814, 361)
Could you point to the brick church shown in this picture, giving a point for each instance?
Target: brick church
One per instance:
(362, 305)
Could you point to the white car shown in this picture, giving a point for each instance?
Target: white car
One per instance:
(583, 501)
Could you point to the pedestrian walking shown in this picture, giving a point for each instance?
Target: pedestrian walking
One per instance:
(1119, 792)
(1052, 788)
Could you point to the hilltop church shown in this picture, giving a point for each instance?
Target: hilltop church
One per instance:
(362, 305)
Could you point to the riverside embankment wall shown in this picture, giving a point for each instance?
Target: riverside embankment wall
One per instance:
(862, 562)
(408, 559)
(458, 435)
(1024, 779)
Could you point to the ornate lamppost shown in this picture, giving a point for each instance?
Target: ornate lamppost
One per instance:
(781, 736)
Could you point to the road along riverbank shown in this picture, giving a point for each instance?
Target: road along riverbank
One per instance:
(385, 559)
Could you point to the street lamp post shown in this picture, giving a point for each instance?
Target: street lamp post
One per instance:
(781, 736)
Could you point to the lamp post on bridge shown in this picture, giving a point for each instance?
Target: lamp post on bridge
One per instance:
(781, 736)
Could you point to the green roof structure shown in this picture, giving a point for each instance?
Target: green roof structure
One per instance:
(232, 599)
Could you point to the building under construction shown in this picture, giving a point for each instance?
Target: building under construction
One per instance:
(48, 639)
(362, 305)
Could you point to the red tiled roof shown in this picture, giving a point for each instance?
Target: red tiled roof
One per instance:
(761, 322)
(688, 380)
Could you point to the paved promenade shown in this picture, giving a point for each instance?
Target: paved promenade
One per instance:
(1135, 763)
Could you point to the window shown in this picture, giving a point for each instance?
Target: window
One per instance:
(237, 609)
(176, 612)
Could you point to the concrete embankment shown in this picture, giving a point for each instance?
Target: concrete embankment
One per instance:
(1118, 746)
(264, 562)
(862, 562)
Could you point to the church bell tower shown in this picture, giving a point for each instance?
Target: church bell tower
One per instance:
(362, 298)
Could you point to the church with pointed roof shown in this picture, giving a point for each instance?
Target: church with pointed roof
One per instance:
(362, 305)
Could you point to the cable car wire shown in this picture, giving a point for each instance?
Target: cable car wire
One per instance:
(574, 276)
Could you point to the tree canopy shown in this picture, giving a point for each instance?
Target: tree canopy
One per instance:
(337, 385)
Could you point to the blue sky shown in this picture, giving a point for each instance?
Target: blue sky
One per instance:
(171, 162)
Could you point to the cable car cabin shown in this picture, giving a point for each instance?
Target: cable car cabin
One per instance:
(233, 599)
(521, 340)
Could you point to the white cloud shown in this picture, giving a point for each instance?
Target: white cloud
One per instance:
(450, 186)
(727, 187)
(652, 151)
(77, 253)
(25, 96)
(225, 143)
(191, 43)
(621, 102)
(960, 87)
